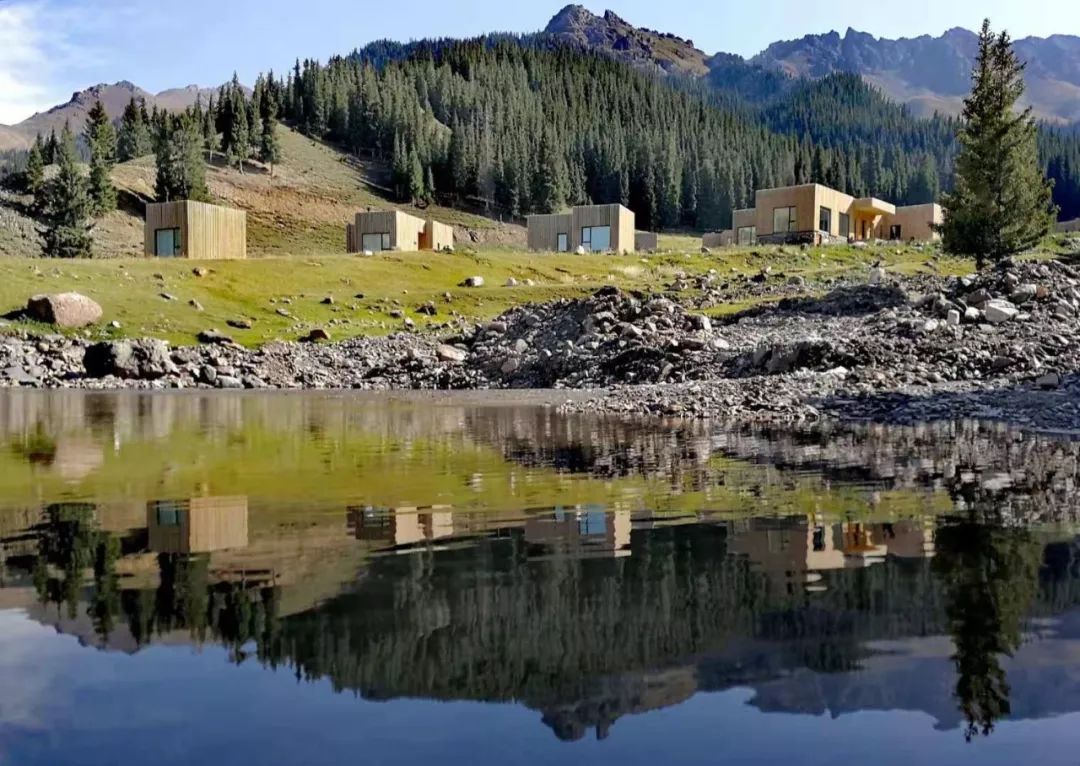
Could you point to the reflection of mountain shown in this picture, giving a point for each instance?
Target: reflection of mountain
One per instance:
(814, 619)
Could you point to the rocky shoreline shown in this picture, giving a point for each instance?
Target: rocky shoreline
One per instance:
(1001, 345)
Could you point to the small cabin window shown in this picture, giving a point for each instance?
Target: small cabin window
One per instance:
(785, 220)
(895, 232)
(375, 243)
(596, 239)
(747, 235)
(167, 243)
(825, 220)
(564, 243)
(845, 225)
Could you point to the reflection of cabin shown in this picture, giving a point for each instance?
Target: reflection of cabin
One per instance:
(798, 548)
(199, 525)
(578, 532)
(195, 230)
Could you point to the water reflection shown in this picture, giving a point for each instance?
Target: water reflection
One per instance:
(588, 570)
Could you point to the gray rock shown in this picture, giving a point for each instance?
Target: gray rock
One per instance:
(472, 282)
(1049, 381)
(67, 310)
(229, 382)
(145, 359)
(1000, 311)
(953, 318)
(1024, 294)
(446, 353)
(214, 337)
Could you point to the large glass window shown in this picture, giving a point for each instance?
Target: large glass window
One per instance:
(167, 243)
(845, 225)
(596, 239)
(825, 220)
(784, 220)
(374, 243)
(895, 232)
(747, 235)
(564, 243)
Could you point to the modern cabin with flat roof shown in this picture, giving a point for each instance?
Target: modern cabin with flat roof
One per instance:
(195, 230)
(816, 214)
(393, 230)
(596, 228)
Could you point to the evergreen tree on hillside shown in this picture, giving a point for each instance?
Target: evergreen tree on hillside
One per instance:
(52, 148)
(1002, 203)
(181, 170)
(133, 139)
(35, 168)
(66, 206)
(209, 130)
(551, 183)
(925, 185)
(234, 124)
(269, 145)
(101, 138)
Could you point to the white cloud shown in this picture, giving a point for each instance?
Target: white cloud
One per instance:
(23, 62)
(42, 48)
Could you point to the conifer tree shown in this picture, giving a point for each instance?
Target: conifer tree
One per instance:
(52, 148)
(1002, 202)
(66, 207)
(181, 171)
(101, 138)
(35, 168)
(551, 184)
(269, 145)
(133, 139)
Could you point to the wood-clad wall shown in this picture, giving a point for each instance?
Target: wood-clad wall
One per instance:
(436, 236)
(207, 232)
(544, 231)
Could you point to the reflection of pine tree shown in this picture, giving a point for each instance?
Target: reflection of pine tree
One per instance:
(182, 594)
(67, 543)
(990, 578)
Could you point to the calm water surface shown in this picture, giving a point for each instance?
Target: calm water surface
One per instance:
(290, 579)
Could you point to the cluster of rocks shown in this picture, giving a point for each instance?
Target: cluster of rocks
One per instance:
(924, 345)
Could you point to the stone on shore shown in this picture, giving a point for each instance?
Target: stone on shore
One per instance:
(70, 311)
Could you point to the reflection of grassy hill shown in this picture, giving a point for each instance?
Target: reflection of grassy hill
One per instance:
(311, 457)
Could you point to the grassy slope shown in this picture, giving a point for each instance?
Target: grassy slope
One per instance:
(296, 239)
(131, 290)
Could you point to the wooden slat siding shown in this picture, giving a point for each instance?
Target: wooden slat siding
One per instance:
(544, 231)
(407, 232)
(350, 239)
(620, 219)
(404, 229)
(436, 236)
(646, 240)
(207, 232)
(164, 215)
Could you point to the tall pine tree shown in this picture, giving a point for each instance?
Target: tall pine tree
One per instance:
(1002, 203)
(66, 207)
(101, 137)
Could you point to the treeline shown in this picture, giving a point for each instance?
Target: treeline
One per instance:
(526, 129)
(520, 126)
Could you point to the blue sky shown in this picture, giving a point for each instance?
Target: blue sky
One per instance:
(50, 48)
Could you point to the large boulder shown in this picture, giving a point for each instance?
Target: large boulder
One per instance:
(144, 359)
(67, 310)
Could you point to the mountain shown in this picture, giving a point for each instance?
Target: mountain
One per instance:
(929, 74)
(934, 73)
(114, 97)
(641, 47)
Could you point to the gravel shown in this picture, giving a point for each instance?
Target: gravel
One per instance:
(1000, 345)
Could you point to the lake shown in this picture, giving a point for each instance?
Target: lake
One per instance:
(322, 579)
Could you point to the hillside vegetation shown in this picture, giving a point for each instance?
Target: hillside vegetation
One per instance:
(302, 210)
